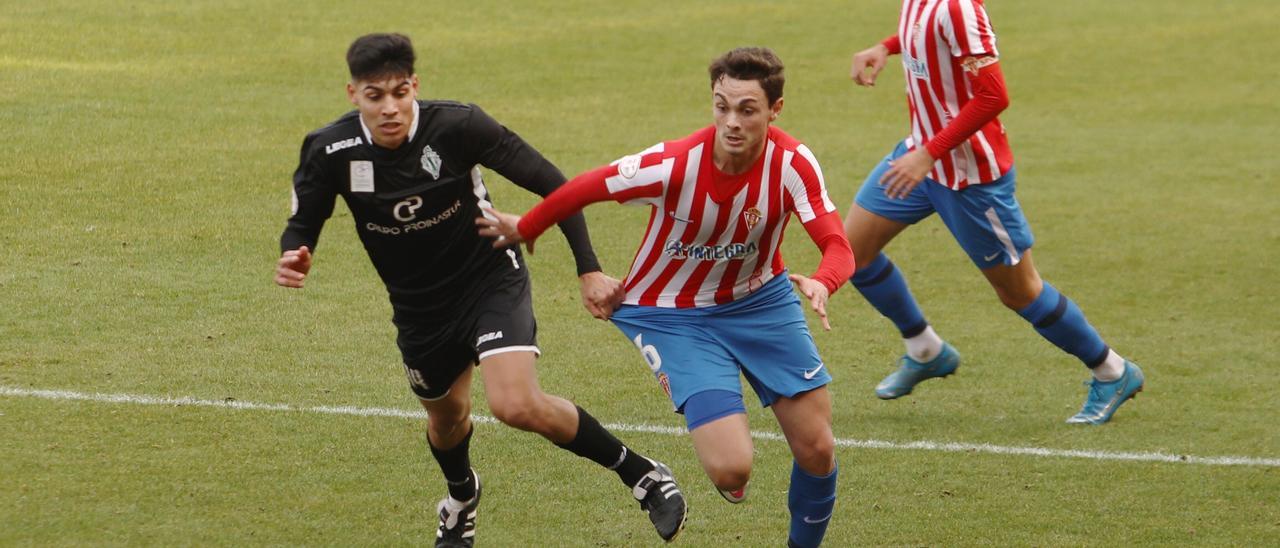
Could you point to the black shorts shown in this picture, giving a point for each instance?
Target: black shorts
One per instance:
(495, 317)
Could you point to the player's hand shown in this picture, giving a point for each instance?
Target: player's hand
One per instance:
(817, 295)
(601, 294)
(502, 228)
(906, 172)
(873, 58)
(293, 266)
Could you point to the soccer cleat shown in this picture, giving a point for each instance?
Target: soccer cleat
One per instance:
(660, 497)
(1105, 397)
(734, 497)
(911, 372)
(458, 525)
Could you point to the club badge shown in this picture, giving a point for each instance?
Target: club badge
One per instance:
(431, 162)
(752, 217)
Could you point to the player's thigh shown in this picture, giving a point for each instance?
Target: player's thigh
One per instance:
(1017, 285)
(683, 358)
(724, 448)
(874, 219)
(769, 336)
(869, 233)
(987, 221)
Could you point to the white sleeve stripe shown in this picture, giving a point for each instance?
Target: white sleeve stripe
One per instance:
(645, 177)
(807, 154)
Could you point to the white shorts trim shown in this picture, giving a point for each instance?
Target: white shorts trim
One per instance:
(505, 349)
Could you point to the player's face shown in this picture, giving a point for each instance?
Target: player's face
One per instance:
(742, 113)
(386, 106)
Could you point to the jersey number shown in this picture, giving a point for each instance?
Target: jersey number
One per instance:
(514, 263)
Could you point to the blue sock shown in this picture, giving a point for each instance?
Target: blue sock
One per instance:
(883, 285)
(811, 500)
(1058, 319)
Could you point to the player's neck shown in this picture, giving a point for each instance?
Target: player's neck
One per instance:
(735, 164)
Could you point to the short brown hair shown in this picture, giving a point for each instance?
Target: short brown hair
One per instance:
(759, 64)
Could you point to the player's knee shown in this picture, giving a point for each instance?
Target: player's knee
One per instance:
(817, 457)
(729, 476)
(1015, 298)
(521, 413)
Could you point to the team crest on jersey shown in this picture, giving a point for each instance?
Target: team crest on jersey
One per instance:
(752, 217)
(431, 162)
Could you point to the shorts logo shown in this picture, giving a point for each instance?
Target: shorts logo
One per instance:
(405, 209)
(629, 167)
(810, 373)
(752, 217)
(665, 383)
(431, 162)
(488, 337)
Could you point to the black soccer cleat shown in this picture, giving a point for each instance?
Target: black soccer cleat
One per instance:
(458, 527)
(660, 497)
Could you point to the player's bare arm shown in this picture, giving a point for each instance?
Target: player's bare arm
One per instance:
(293, 266)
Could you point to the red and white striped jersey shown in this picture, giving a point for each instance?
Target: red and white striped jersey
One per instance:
(936, 36)
(713, 238)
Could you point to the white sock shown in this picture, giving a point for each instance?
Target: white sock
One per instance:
(1110, 369)
(925, 346)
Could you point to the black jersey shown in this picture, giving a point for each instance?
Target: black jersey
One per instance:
(415, 206)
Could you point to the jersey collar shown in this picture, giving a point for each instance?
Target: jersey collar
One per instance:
(413, 127)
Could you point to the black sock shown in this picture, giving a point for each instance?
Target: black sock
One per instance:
(456, 465)
(595, 443)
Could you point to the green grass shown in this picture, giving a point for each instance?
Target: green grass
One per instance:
(144, 179)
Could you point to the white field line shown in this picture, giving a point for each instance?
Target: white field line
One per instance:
(949, 447)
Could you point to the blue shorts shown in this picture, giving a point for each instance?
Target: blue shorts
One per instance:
(763, 335)
(985, 219)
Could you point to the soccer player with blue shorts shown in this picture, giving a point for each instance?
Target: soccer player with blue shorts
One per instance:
(957, 163)
(707, 298)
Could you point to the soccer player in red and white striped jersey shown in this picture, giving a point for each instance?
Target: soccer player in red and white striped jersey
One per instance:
(957, 162)
(706, 298)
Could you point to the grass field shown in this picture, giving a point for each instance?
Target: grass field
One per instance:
(145, 156)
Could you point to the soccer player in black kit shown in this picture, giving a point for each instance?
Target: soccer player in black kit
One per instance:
(409, 172)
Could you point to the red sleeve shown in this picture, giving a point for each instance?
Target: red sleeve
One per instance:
(990, 98)
(893, 43)
(837, 262)
(581, 191)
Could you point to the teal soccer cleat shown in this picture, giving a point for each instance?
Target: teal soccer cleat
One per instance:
(911, 372)
(1105, 397)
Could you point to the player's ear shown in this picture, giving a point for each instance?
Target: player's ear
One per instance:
(413, 81)
(775, 110)
(351, 92)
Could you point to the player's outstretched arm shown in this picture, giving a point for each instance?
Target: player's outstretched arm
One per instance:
(293, 266)
(836, 266)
